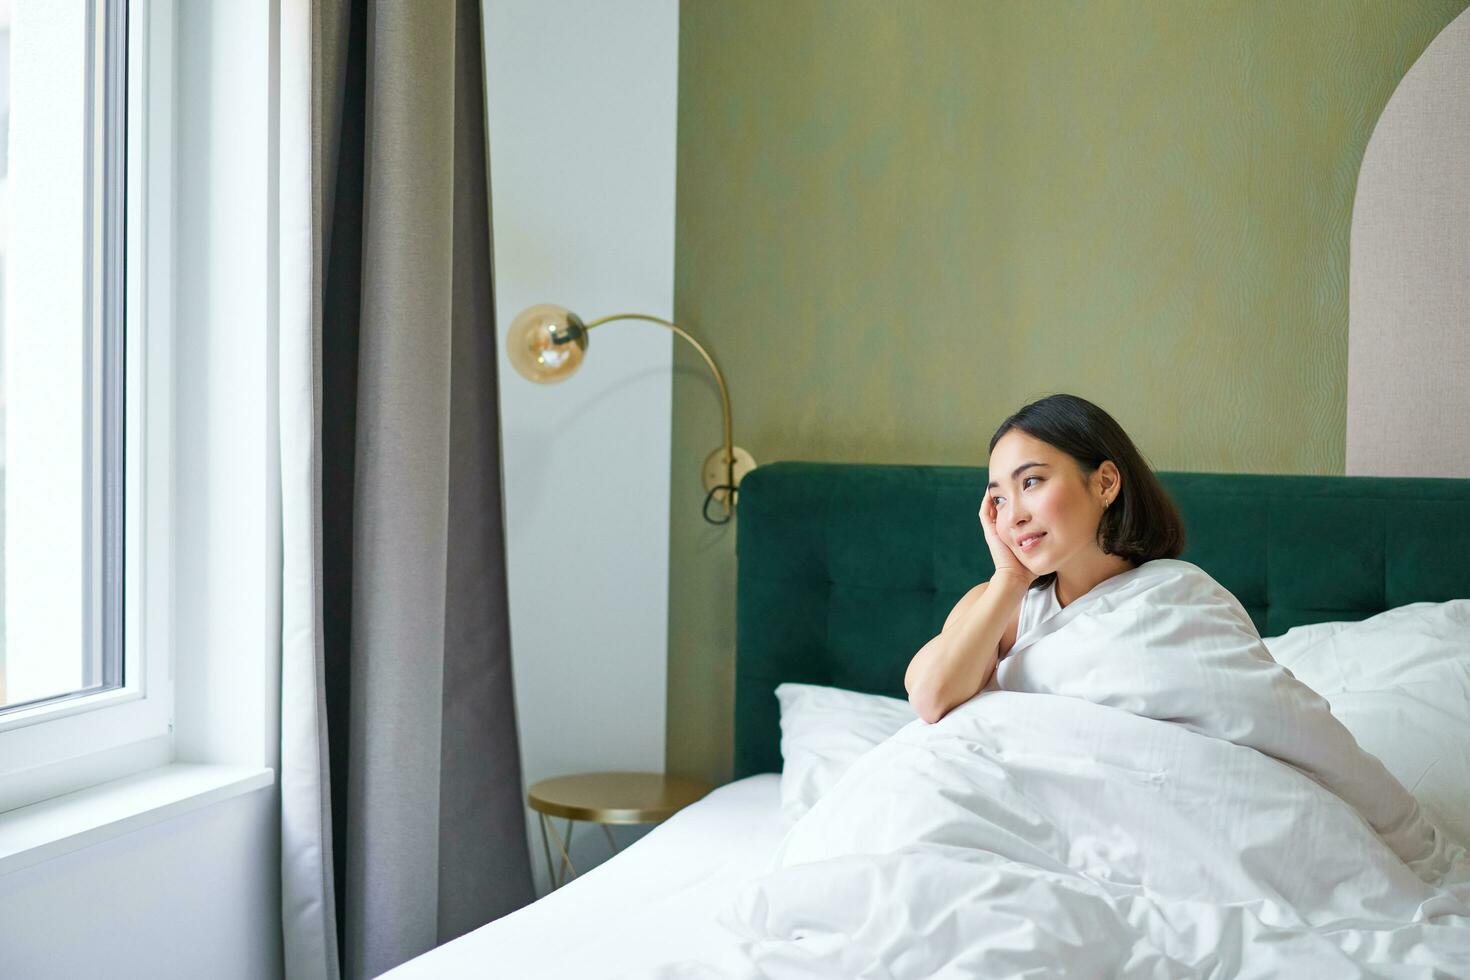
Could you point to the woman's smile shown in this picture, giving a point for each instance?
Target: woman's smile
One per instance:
(1031, 542)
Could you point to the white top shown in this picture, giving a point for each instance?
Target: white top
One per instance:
(1037, 606)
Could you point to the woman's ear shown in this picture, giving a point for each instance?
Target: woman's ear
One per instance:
(1110, 482)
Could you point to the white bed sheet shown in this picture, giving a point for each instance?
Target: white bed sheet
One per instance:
(945, 875)
(653, 903)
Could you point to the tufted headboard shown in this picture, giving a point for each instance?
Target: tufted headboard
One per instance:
(846, 570)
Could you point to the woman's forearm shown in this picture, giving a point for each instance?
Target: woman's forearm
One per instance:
(957, 663)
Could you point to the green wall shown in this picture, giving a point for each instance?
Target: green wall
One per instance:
(897, 222)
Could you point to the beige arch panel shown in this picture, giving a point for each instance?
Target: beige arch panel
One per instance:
(1408, 401)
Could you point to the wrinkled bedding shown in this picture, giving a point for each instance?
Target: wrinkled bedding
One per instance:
(1140, 791)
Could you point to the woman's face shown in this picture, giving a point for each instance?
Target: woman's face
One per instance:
(1054, 499)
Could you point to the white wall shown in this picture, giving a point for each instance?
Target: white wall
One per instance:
(582, 109)
(179, 899)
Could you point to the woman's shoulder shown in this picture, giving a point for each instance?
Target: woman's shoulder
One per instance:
(1171, 573)
(1172, 567)
(1186, 575)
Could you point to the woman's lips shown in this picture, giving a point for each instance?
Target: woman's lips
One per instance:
(1031, 544)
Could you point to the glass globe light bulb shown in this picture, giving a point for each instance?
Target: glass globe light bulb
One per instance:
(546, 343)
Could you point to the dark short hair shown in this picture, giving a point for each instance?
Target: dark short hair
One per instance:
(1142, 523)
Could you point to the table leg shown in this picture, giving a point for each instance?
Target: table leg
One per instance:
(568, 872)
(546, 849)
(567, 869)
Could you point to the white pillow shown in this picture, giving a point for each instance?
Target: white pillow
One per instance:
(823, 732)
(1400, 682)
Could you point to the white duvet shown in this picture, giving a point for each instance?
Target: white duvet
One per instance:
(1140, 791)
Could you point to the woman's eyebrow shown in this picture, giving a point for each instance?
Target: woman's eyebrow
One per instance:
(1014, 473)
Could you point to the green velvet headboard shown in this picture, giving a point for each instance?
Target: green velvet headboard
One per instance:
(846, 570)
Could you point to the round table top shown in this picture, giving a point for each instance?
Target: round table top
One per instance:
(615, 797)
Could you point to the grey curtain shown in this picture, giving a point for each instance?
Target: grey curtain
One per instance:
(426, 819)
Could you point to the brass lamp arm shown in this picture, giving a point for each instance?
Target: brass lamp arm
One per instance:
(719, 379)
(545, 344)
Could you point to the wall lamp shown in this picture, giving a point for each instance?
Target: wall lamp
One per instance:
(546, 344)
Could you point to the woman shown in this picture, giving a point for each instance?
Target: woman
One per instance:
(1071, 503)
(1085, 545)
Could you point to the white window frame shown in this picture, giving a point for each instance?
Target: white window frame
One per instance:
(50, 749)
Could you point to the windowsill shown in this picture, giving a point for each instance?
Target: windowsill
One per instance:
(41, 831)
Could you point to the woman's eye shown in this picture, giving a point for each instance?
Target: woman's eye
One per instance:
(996, 500)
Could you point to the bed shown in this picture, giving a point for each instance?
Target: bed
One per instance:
(844, 571)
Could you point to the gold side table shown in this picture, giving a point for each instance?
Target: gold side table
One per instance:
(605, 798)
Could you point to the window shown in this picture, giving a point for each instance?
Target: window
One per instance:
(61, 346)
(84, 391)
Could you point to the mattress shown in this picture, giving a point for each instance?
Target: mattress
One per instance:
(653, 903)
